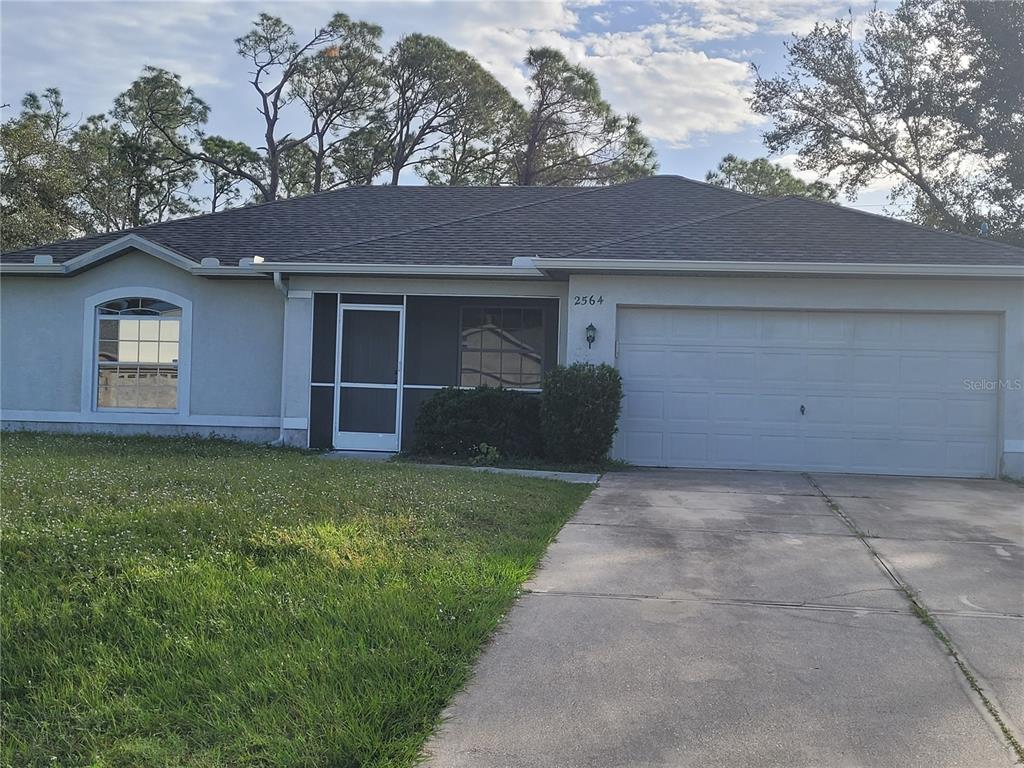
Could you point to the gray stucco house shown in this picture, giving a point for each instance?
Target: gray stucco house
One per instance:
(758, 333)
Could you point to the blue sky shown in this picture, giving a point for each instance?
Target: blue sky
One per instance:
(683, 67)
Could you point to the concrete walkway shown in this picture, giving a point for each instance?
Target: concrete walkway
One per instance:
(727, 618)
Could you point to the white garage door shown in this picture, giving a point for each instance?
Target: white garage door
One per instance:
(890, 393)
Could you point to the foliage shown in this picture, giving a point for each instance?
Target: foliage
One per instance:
(762, 177)
(485, 455)
(130, 173)
(37, 174)
(929, 94)
(226, 189)
(572, 136)
(435, 91)
(203, 603)
(580, 411)
(455, 422)
(336, 110)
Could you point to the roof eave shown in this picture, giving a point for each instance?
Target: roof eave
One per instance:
(552, 266)
(515, 271)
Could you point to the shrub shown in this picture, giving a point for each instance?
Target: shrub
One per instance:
(457, 422)
(580, 411)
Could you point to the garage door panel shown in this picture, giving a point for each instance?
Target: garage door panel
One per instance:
(687, 406)
(823, 410)
(874, 331)
(737, 450)
(831, 331)
(972, 414)
(688, 447)
(828, 368)
(783, 328)
(642, 363)
(875, 370)
(735, 367)
(882, 392)
(969, 457)
(787, 449)
(643, 405)
(689, 366)
(780, 368)
(645, 447)
(926, 412)
(739, 327)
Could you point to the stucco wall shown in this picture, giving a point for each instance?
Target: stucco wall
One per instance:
(236, 343)
(1003, 297)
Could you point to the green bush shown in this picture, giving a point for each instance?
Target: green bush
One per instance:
(580, 411)
(456, 422)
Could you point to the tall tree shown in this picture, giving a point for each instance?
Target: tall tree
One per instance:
(340, 86)
(37, 179)
(132, 173)
(330, 74)
(897, 102)
(481, 138)
(762, 177)
(572, 135)
(227, 189)
(437, 96)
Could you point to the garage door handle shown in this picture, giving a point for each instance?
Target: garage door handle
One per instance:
(802, 410)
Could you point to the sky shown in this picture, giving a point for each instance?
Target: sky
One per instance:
(682, 67)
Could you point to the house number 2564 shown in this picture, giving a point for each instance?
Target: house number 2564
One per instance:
(579, 301)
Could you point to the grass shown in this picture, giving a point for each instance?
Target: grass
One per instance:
(202, 603)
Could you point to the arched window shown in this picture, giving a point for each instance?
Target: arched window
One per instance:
(137, 352)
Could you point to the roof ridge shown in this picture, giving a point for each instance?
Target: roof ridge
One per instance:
(576, 192)
(667, 227)
(733, 192)
(933, 230)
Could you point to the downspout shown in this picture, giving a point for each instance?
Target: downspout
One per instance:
(280, 285)
(283, 288)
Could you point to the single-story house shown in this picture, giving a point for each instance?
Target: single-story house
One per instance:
(758, 333)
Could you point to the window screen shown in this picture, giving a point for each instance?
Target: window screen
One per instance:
(501, 347)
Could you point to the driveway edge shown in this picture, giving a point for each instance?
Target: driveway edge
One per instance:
(989, 705)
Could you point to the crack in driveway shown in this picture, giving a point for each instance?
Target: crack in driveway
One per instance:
(988, 702)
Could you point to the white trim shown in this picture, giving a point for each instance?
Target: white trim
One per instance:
(294, 422)
(89, 362)
(155, 418)
(1013, 446)
(398, 270)
(350, 385)
(125, 243)
(31, 269)
(300, 294)
(549, 265)
(368, 441)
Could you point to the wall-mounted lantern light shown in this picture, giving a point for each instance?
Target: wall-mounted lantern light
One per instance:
(591, 335)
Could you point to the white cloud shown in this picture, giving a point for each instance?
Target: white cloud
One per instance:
(678, 94)
(653, 59)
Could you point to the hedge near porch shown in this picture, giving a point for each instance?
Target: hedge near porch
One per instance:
(573, 420)
(456, 422)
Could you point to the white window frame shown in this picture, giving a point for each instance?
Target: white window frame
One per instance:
(90, 367)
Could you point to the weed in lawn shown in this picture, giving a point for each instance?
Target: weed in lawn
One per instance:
(206, 603)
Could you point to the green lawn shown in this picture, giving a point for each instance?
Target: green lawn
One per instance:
(204, 603)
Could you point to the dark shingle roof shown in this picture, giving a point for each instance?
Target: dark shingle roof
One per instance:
(662, 217)
(276, 230)
(797, 229)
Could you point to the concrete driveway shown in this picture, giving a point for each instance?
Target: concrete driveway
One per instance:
(729, 618)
